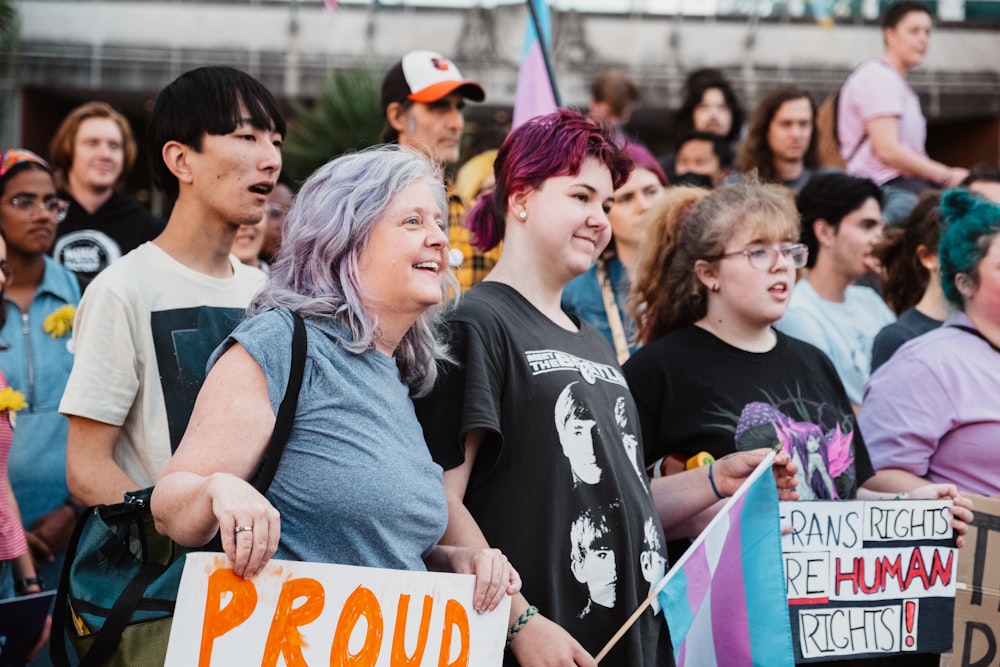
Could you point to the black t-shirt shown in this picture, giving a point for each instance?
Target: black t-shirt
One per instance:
(557, 485)
(697, 393)
(87, 243)
(909, 325)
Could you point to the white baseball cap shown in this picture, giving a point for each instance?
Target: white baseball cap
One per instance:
(426, 76)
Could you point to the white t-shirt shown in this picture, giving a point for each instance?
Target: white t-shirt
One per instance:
(845, 331)
(142, 336)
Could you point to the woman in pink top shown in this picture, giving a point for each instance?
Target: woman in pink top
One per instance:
(17, 570)
(880, 125)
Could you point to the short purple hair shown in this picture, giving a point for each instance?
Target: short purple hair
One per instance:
(544, 147)
(641, 157)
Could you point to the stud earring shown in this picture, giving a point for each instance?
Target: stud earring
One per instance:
(715, 287)
(522, 215)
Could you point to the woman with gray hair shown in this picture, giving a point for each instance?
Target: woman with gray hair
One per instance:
(364, 261)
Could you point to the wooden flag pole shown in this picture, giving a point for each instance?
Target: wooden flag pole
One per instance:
(676, 567)
(632, 619)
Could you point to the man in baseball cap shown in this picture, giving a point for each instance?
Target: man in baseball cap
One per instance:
(422, 100)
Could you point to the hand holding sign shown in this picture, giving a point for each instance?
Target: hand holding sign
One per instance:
(313, 613)
(248, 524)
(496, 578)
(867, 579)
(961, 509)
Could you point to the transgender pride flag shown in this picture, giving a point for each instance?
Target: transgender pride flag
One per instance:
(534, 95)
(724, 600)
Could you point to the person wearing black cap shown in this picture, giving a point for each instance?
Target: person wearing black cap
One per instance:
(422, 100)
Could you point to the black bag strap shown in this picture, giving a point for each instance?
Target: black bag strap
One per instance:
(975, 332)
(109, 636)
(286, 410)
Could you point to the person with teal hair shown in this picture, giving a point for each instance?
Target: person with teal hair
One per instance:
(930, 412)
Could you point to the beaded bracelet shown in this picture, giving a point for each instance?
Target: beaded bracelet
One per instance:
(711, 480)
(521, 621)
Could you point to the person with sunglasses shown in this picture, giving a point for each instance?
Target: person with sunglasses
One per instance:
(36, 355)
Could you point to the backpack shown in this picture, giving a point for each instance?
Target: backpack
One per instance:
(827, 128)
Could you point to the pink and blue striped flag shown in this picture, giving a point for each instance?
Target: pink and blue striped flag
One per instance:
(724, 600)
(534, 96)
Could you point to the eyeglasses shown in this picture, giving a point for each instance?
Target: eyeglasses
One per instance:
(55, 205)
(765, 257)
(276, 212)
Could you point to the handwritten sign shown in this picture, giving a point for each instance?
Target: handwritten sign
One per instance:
(338, 615)
(868, 579)
(977, 602)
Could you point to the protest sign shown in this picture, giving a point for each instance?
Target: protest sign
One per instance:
(977, 601)
(21, 622)
(321, 614)
(868, 579)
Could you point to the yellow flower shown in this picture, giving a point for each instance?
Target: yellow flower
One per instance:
(11, 399)
(59, 322)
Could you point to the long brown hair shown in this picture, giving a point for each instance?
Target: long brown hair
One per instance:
(905, 277)
(755, 152)
(691, 224)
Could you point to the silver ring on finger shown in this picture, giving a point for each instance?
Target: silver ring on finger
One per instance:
(240, 529)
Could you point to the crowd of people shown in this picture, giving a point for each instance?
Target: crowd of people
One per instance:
(507, 374)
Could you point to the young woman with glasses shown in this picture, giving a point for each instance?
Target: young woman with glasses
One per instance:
(714, 375)
(36, 356)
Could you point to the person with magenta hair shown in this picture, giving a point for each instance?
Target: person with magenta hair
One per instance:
(930, 412)
(534, 423)
(600, 296)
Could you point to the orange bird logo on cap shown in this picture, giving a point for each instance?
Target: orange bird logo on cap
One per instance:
(440, 63)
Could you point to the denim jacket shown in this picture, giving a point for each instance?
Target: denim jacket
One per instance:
(38, 366)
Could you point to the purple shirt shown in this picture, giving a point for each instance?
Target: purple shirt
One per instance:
(933, 410)
(873, 90)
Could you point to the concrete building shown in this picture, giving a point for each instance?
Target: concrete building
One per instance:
(124, 51)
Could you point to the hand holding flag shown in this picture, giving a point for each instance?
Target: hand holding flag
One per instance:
(725, 600)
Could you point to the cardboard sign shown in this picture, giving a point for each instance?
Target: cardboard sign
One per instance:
(977, 602)
(869, 579)
(320, 614)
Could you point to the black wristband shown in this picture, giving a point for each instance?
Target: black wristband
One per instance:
(21, 584)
